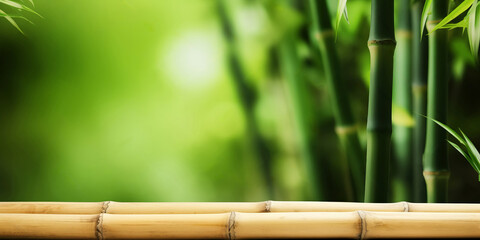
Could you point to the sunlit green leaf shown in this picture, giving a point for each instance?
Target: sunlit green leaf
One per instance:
(451, 131)
(472, 148)
(426, 11)
(19, 6)
(474, 29)
(470, 161)
(464, 6)
(341, 11)
(10, 19)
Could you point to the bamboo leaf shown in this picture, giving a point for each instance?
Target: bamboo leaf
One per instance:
(451, 131)
(473, 29)
(462, 24)
(471, 147)
(19, 6)
(470, 161)
(10, 19)
(341, 11)
(464, 6)
(426, 11)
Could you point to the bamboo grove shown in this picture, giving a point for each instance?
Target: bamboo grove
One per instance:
(404, 156)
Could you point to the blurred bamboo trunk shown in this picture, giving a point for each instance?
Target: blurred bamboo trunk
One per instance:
(298, 93)
(224, 207)
(247, 98)
(381, 44)
(234, 225)
(346, 127)
(402, 136)
(436, 170)
(419, 88)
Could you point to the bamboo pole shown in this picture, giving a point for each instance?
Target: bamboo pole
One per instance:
(234, 225)
(419, 89)
(435, 170)
(346, 127)
(402, 135)
(313, 167)
(224, 207)
(247, 99)
(381, 44)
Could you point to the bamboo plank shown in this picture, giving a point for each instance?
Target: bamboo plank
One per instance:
(353, 225)
(224, 207)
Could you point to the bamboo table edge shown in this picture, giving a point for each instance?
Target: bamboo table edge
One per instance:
(112, 207)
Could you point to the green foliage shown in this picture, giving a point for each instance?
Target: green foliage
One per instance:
(466, 147)
(341, 11)
(471, 22)
(17, 7)
(427, 8)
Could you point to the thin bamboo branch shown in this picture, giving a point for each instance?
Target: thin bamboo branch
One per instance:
(224, 207)
(234, 225)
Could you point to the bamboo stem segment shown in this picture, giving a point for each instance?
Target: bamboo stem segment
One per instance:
(435, 158)
(402, 136)
(247, 98)
(379, 123)
(419, 92)
(234, 225)
(224, 207)
(346, 127)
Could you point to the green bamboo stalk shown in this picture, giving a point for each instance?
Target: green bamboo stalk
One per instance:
(436, 171)
(419, 88)
(290, 66)
(402, 136)
(381, 44)
(346, 128)
(247, 98)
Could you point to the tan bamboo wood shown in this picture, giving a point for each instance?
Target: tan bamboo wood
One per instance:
(353, 225)
(224, 207)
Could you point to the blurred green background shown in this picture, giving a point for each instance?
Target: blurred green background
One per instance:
(132, 100)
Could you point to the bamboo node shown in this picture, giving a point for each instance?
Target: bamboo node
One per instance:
(404, 34)
(268, 206)
(323, 34)
(406, 206)
(382, 42)
(99, 227)
(346, 129)
(419, 88)
(363, 224)
(431, 24)
(436, 173)
(231, 226)
(105, 206)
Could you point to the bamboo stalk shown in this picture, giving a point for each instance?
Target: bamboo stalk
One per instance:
(346, 128)
(381, 44)
(224, 207)
(419, 89)
(247, 99)
(234, 225)
(298, 93)
(402, 136)
(436, 171)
